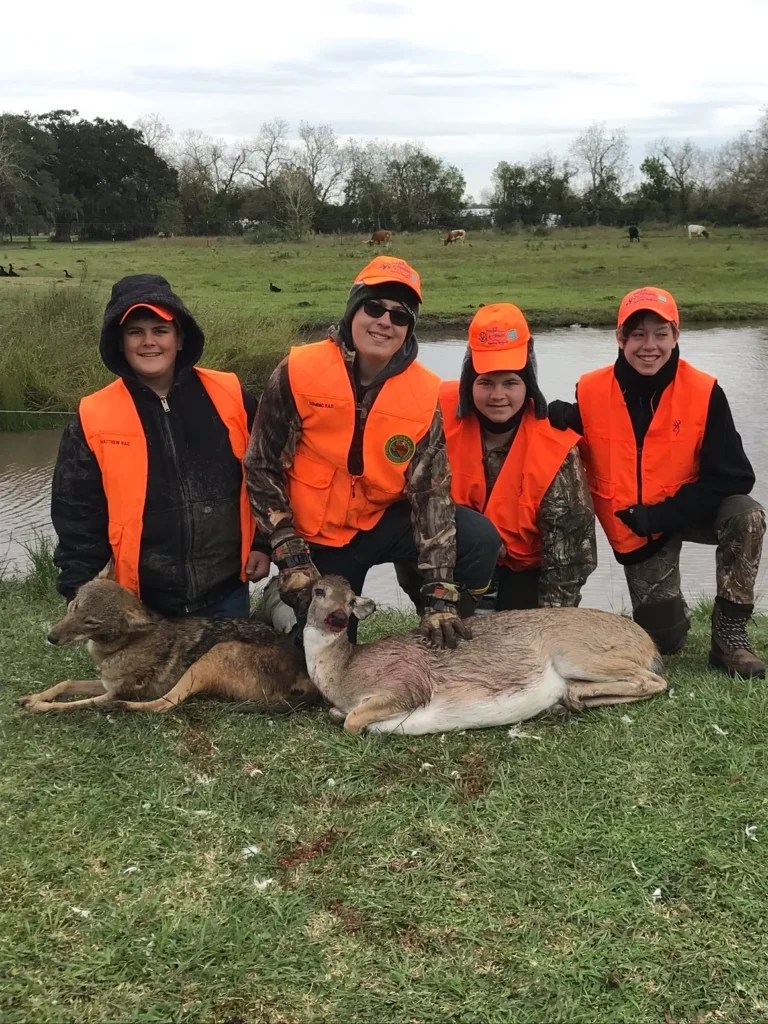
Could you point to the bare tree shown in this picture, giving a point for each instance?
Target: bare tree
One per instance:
(323, 161)
(267, 153)
(211, 161)
(602, 158)
(156, 133)
(685, 166)
(296, 201)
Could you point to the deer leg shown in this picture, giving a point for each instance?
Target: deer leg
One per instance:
(375, 709)
(74, 688)
(622, 690)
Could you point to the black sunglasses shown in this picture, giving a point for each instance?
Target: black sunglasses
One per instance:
(398, 317)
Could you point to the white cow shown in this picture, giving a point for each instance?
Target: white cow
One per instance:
(697, 231)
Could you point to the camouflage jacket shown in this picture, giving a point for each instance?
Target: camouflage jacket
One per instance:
(276, 432)
(567, 527)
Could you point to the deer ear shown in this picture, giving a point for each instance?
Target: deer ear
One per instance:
(363, 607)
(108, 572)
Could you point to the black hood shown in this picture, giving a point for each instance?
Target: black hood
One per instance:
(529, 375)
(155, 291)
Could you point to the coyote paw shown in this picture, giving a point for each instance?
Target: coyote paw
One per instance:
(33, 703)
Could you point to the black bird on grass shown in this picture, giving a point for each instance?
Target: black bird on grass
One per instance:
(3, 273)
(67, 275)
(11, 271)
(303, 303)
(274, 288)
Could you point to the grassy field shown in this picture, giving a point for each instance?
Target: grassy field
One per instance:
(611, 869)
(49, 326)
(572, 275)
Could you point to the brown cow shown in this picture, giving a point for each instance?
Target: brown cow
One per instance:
(380, 238)
(455, 236)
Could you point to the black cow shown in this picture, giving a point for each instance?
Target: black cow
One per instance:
(634, 234)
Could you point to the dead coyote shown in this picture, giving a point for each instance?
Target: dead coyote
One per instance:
(157, 663)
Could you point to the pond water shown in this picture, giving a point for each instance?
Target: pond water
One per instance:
(737, 356)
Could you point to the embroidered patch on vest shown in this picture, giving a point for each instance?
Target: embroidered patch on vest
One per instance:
(399, 449)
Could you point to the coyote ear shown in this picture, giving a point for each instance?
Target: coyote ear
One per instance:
(363, 607)
(108, 572)
(137, 619)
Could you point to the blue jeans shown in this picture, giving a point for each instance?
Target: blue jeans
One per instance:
(236, 605)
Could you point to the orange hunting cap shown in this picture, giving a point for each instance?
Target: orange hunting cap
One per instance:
(498, 338)
(656, 300)
(162, 313)
(383, 269)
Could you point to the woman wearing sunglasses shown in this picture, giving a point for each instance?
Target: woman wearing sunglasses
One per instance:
(347, 466)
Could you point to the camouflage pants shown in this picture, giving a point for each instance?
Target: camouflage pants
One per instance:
(737, 531)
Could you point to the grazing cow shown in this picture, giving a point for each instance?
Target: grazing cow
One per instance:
(634, 234)
(380, 238)
(455, 236)
(697, 231)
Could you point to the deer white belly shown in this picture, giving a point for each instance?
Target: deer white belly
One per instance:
(503, 708)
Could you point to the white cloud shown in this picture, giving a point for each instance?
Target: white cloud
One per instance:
(478, 83)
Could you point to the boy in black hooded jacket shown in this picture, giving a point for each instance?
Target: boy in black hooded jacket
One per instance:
(149, 471)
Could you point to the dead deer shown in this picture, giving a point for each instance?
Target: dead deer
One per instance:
(519, 664)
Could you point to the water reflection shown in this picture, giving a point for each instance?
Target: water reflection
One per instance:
(738, 357)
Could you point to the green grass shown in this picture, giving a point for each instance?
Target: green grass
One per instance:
(570, 275)
(467, 878)
(49, 357)
(50, 326)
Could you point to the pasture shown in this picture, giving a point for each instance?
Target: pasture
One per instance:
(568, 276)
(212, 866)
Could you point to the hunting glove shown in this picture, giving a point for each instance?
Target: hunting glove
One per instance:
(440, 623)
(297, 573)
(637, 518)
(565, 416)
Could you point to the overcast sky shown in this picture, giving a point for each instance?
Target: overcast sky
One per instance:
(477, 82)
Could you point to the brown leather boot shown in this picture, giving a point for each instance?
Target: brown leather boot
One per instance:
(732, 650)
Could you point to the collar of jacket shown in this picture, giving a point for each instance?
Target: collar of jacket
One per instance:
(637, 385)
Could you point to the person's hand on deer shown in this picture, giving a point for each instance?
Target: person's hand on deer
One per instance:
(297, 573)
(441, 623)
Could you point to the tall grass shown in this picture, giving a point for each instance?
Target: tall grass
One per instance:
(49, 351)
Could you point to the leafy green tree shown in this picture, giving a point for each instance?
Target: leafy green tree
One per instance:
(109, 171)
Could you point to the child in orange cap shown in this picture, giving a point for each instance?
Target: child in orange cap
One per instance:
(665, 465)
(150, 471)
(347, 466)
(510, 464)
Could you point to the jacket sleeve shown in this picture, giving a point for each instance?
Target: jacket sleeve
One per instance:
(250, 404)
(79, 513)
(276, 430)
(724, 469)
(433, 514)
(567, 527)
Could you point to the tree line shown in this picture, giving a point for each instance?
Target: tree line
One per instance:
(103, 179)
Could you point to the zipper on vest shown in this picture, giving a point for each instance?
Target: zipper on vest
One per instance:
(186, 525)
(639, 474)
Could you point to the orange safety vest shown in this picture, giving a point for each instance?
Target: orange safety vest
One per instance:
(114, 433)
(532, 463)
(619, 474)
(329, 505)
